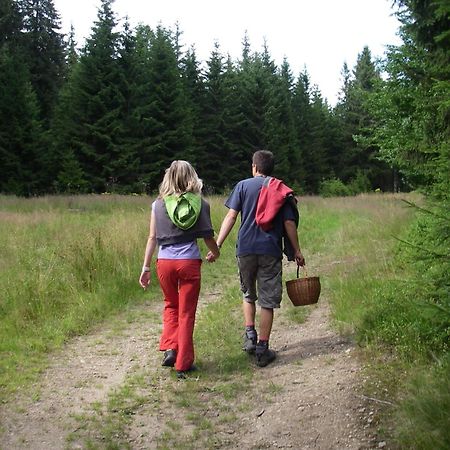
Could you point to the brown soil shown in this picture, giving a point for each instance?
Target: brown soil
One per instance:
(316, 402)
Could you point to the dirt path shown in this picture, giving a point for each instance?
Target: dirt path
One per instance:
(315, 404)
(319, 406)
(85, 372)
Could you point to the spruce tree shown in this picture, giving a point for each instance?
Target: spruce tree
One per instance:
(137, 127)
(194, 93)
(315, 160)
(20, 128)
(45, 51)
(353, 112)
(411, 110)
(125, 163)
(254, 86)
(302, 111)
(280, 129)
(213, 129)
(249, 133)
(237, 156)
(10, 24)
(92, 125)
(72, 55)
(366, 81)
(67, 132)
(166, 112)
(21, 132)
(412, 128)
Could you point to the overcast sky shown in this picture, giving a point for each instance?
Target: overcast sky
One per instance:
(318, 34)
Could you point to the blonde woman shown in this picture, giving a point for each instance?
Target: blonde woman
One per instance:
(179, 217)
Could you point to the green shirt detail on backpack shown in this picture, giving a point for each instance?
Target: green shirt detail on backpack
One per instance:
(183, 209)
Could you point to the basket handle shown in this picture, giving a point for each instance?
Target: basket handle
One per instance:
(298, 271)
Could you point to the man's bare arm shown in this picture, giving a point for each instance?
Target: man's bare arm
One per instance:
(291, 231)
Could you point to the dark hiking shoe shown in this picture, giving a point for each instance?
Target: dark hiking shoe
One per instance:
(169, 359)
(182, 374)
(264, 356)
(250, 339)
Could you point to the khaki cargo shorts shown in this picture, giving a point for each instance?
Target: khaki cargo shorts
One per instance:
(261, 279)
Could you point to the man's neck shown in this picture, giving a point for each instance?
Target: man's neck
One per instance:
(259, 174)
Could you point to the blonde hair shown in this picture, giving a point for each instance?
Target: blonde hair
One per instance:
(180, 177)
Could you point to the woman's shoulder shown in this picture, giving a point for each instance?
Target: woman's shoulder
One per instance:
(156, 204)
(205, 203)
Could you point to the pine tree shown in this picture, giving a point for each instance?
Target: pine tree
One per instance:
(20, 129)
(45, 51)
(194, 92)
(10, 24)
(213, 129)
(167, 110)
(280, 124)
(356, 120)
(302, 111)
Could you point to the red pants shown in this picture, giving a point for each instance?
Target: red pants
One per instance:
(180, 283)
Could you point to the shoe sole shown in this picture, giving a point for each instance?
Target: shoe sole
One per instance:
(169, 363)
(265, 362)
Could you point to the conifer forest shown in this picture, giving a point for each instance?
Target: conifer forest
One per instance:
(111, 116)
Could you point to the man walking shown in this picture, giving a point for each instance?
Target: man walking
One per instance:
(259, 254)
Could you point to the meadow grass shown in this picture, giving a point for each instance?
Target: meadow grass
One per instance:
(69, 263)
(66, 264)
(376, 299)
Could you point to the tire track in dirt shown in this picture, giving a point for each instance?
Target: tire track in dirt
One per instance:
(83, 373)
(318, 405)
(307, 399)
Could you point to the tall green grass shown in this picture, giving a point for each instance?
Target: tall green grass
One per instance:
(423, 415)
(70, 262)
(361, 253)
(377, 298)
(66, 264)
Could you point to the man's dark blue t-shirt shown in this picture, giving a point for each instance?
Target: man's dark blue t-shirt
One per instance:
(252, 240)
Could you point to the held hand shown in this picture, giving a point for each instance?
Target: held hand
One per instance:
(211, 257)
(144, 280)
(299, 259)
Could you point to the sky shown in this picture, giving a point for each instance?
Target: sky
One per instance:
(319, 35)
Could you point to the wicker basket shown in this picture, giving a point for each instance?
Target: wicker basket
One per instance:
(303, 291)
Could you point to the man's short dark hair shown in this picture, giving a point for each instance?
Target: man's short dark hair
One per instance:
(264, 161)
